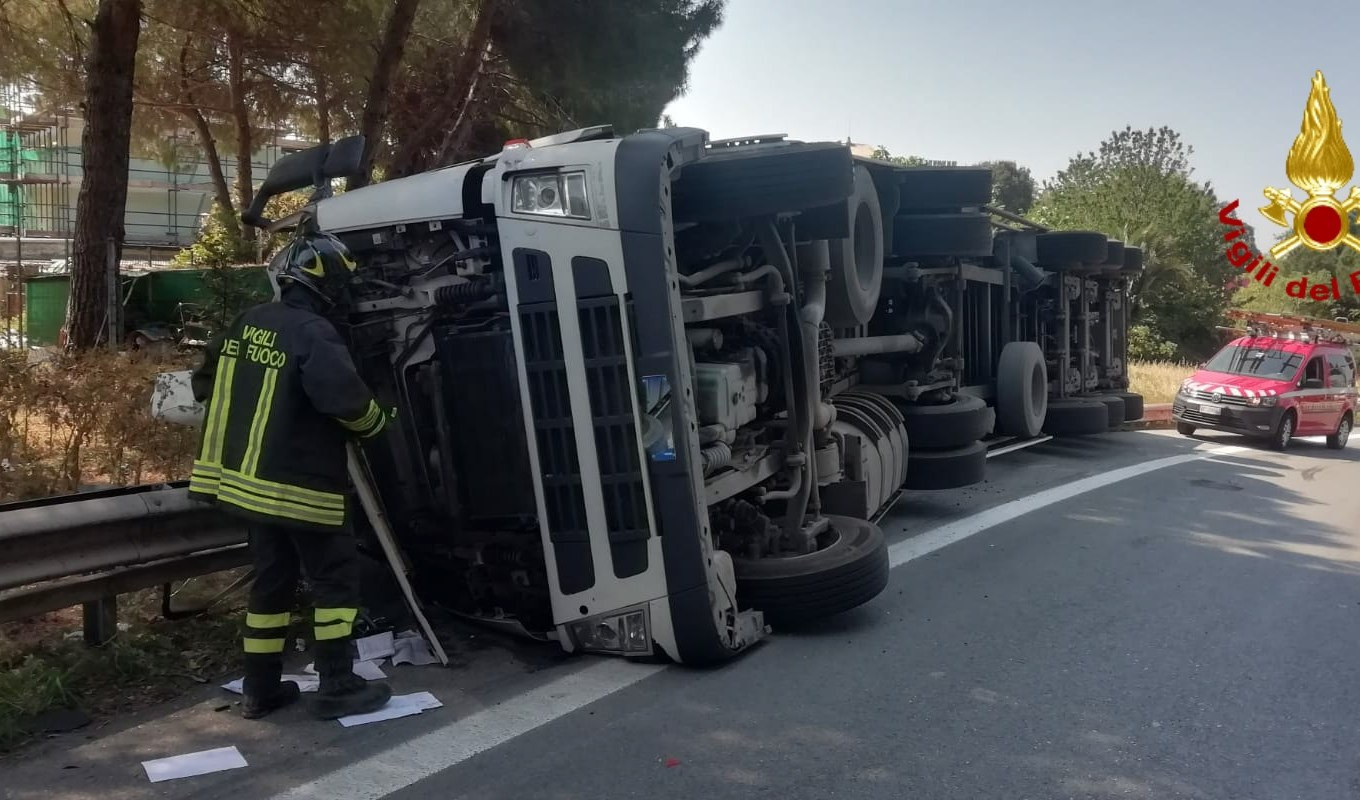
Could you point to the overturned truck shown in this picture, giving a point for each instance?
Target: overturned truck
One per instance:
(654, 390)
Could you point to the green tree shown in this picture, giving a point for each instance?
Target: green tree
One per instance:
(1139, 188)
(881, 153)
(1013, 187)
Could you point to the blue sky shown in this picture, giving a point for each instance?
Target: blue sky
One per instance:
(974, 80)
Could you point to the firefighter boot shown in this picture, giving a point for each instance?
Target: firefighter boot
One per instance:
(343, 693)
(264, 692)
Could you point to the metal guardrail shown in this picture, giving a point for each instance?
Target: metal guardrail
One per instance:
(88, 548)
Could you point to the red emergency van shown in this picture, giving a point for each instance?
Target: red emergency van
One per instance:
(1287, 377)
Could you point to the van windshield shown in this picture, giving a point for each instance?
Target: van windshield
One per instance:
(1258, 362)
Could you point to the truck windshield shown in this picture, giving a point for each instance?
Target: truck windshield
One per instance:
(1259, 362)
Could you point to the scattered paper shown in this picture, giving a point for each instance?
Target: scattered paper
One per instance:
(402, 705)
(368, 670)
(191, 764)
(376, 647)
(411, 648)
(306, 683)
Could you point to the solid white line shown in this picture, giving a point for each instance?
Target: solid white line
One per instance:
(438, 750)
(945, 535)
(397, 768)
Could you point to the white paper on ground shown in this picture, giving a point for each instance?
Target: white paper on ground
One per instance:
(368, 670)
(412, 649)
(306, 683)
(191, 764)
(373, 648)
(402, 705)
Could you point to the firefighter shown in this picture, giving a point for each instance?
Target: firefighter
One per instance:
(281, 395)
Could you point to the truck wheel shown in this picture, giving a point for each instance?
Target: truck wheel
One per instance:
(1343, 433)
(954, 424)
(1071, 417)
(791, 177)
(947, 469)
(857, 260)
(850, 570)
(942, 235)
(944, 188)
(1133, 259)
(1114, 407)
(1071, 248)
(1133, 404)
(1021, 390)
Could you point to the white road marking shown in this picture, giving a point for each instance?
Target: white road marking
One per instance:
(945, 535)
(394, 769)
(403, 765)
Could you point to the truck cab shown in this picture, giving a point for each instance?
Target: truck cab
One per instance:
(1273, 384)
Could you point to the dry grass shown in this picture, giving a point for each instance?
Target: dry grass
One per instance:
(1157, 381)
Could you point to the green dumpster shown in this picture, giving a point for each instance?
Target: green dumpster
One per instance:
(45, 300)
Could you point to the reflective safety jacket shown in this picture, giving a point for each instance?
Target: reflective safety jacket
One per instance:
(281, 395)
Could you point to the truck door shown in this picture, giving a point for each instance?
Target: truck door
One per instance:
(1313, 398)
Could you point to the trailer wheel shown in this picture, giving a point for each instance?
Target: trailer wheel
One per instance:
(941, 188)
(857, 260)
(1133, 259)
(1071, 248)
(1114, 408)
(1133, 404)
(942, 235)
(947, 469)
(954, 424)
(1114, 256)
(1021, 390)
(791, 177)
(850, 570)
(1073, 417)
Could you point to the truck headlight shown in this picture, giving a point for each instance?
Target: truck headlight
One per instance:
(625, 632)
(555, 194)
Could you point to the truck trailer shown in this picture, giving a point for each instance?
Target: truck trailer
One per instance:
(654, 390)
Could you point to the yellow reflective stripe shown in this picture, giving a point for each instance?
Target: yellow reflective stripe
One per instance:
(254, 620)
(278, 508)
(324, 615)
(377, 429)
(203, 485)
(214, 434)
(263, 645)
(255, 442)
(337, 631)
(283, 491)
(370, 417)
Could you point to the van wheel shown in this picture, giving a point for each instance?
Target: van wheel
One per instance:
(1185, 429)
(850, 570)
(1343, 432)
(1021, 390)
(1284, 432)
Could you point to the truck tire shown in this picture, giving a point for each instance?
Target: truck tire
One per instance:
(857, 260)
(1114, 256)
(850, 571)
(946, 425)
(737, 185)
(1114, 408)
(1133, 259)
(944, 188)
(947, 469)
(1021, 390)
(1071, 248)
(1072, 417)
(942, 235)
(1133, 404)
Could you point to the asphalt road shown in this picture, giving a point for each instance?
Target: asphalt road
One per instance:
(1133, 617)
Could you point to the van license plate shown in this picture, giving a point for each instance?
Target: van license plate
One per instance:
(1212, 411)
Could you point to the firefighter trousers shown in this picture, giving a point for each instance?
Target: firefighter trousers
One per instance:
(330, 563)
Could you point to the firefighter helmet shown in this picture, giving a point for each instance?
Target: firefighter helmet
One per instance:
(320, 263)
